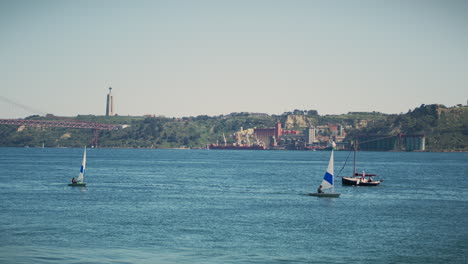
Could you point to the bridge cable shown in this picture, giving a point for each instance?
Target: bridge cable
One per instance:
(24, 107)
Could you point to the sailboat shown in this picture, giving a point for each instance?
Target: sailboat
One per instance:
(360, 179)
(327, 182)
(79, 182)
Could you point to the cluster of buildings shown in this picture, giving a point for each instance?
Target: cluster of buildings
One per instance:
(318, 138)
(311, 138)
(314, 137)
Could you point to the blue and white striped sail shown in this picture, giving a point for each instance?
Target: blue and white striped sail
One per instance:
(83, 167)
(328, 181)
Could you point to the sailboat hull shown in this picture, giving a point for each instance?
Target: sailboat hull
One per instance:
(354, 181)
(78, 184)
(325, 194)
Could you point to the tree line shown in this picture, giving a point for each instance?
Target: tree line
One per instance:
(445, 128)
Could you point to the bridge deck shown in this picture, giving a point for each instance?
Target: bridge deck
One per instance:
(49, 123)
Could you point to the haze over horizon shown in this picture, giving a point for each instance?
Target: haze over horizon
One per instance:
(188, 58)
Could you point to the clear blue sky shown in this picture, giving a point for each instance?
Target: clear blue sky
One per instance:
(186, 58)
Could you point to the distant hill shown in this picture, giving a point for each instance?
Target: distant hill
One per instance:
(446, 129)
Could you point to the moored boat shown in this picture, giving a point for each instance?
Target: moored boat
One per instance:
(359, 179)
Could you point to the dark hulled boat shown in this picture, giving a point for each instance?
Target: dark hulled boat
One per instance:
(359, 179)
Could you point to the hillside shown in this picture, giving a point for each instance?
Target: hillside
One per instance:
(142, 132)
(446, 129)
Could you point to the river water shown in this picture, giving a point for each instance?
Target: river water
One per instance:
(218, 206)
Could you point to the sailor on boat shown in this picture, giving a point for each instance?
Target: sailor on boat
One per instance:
(73, 180)
(319, 190)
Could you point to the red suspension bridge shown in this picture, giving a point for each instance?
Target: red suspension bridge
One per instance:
(55, 123)
(66, 124)
(49, 123)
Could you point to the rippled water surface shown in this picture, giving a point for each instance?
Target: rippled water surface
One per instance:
(214, 206)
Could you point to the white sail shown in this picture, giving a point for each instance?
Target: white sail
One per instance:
(327, 181)
(83, 167)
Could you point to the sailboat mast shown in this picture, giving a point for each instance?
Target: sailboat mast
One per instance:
(355, 153)
(83, 167)
(333, 184)
(332, 171)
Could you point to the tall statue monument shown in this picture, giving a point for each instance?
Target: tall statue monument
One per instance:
(110, 104)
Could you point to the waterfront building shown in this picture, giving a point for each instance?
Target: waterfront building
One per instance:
(310, 135)
(269, 136)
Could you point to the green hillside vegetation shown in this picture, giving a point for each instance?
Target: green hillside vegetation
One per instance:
(445, 128)
(142, 132)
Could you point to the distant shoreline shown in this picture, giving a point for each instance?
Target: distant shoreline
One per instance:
(340, 150)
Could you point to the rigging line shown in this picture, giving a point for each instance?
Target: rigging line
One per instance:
(338, 175)
(24, 107)
(377, 139)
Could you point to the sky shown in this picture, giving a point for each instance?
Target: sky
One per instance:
(181, 58)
